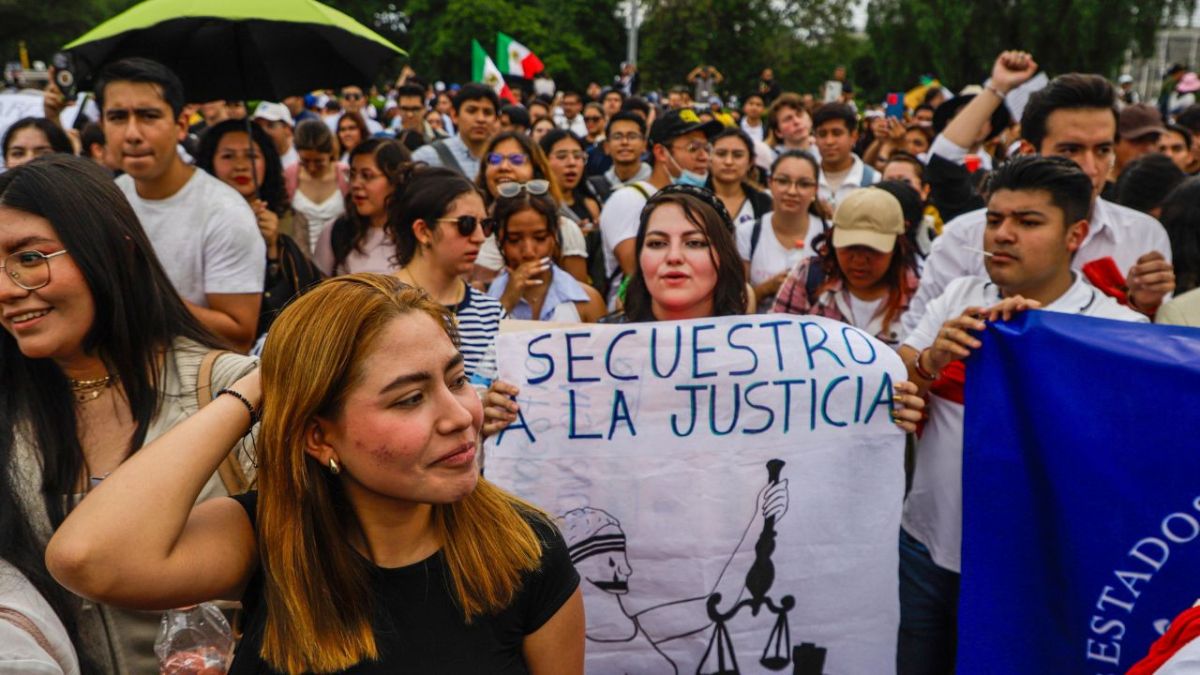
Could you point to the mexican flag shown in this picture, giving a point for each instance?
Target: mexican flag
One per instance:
(516, 59)
(484, 70)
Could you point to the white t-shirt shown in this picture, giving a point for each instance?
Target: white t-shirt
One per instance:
(853, 180)
(862, 311)
(619, 220)
(573, 245)
(19, 650)
(744, 214)
(1116, 231)
(771, 257)
(758, 133)
(205, 236)
(290, 158)
(933, 508)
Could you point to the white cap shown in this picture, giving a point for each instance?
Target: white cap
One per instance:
(1125, 79)
(274, 112)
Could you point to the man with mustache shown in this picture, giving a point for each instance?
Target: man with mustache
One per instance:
(1036, 222)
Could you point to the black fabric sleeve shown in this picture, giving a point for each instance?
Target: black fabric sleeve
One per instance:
(249, 502)
(548, 588)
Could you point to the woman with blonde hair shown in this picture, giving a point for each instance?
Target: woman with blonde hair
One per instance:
(373, 543)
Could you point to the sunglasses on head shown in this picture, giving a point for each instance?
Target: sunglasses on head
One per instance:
(537, 186)
(467, 224)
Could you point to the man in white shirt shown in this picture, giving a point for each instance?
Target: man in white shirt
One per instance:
(1073, 117)
(842, 172)
(202, 230)
(475, 111)
(354, 100)
(276, 120)
(679, 149)
(572, 114)
(752, 117)
(1036, 220)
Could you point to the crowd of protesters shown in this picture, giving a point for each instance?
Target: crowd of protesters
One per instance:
(141, 274)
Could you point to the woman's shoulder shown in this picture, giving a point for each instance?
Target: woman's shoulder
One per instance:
(30, 630)
(188, 356)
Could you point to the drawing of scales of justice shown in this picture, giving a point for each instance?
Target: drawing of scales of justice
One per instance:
(597, 547)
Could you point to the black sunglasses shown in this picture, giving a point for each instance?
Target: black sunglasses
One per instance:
(467, 224)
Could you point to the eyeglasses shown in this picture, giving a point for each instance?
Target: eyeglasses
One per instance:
(352, 96)
(631, 137)
(592, 119)
(537, 186)
(786, 184)
(411, 109)
(467, 224)
(696, 147)
(29, 269)
(516, 158)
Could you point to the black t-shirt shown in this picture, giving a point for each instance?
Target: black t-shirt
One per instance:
(418, 625)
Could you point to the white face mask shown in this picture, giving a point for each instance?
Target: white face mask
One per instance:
(686, 177)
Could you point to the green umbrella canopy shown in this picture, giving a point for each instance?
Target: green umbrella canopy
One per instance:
(240, 49)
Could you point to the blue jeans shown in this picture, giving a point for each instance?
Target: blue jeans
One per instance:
(928, 612)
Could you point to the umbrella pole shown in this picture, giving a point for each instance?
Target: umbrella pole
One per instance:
(253, 166)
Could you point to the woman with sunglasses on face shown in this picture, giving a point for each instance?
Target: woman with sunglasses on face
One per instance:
(730, 176)
(532, 287)
(373, 545)
(439, 224)
(358, 241)
(351, 132)
(688, 267)
(512, 157)
(567, 159)
(772, 245)
(318, 183)
(257, 174)
(99, 357)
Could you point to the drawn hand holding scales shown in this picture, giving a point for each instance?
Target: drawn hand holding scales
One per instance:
(598, 549)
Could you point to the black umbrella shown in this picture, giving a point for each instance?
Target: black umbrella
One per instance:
(239, 49)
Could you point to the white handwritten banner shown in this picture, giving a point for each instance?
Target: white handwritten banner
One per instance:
(15, 106)
(729, 488)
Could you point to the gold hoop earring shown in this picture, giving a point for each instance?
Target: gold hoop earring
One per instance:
(333, 467)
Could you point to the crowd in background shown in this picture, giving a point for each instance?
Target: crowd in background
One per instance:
(197, 232)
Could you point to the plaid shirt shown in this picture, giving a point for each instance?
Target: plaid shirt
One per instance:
(829, 300)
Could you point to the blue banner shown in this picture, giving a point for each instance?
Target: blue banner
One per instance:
(1081, 493)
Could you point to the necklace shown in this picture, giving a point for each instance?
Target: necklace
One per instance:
(90, 390)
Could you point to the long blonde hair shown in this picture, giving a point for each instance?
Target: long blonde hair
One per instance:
(317, 589)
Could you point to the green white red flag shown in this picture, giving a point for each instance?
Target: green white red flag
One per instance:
(516, 59)
(484, 70)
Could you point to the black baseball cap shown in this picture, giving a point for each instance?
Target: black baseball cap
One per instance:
(676, 123)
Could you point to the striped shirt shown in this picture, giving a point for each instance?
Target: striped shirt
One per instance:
(478, 324)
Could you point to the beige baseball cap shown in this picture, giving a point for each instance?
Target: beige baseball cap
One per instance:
(868, 217)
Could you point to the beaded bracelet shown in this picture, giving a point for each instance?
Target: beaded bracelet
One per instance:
(245, 401)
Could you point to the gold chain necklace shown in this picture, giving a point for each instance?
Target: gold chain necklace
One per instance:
(90, 390)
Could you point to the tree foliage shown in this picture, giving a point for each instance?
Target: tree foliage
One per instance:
(46, 26)
(801, 41)
(957, 40)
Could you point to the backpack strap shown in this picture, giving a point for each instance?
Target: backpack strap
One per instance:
(868, 177)
(641, 188)
(600, 187)
(816, 275)
(447, 157)
(755, 235)
(26, 624)
(232, 475)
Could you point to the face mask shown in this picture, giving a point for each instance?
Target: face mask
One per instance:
(686, 177)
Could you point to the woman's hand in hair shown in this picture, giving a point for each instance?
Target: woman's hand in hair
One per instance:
(268, 226)
(499, 407)
(522, 278)
(909, 407)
